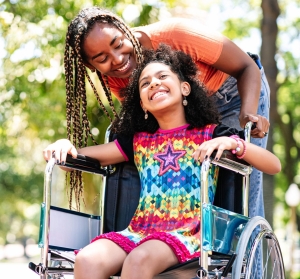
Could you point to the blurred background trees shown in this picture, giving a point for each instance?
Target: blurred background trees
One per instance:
(32, 91)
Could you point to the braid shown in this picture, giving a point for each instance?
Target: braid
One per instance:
(78, 126)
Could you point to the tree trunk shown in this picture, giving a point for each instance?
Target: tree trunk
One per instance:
(269, 30)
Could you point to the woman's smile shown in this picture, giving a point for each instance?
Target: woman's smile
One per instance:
(125, 67)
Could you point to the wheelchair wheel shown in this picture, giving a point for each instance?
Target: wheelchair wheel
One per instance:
(258, 252)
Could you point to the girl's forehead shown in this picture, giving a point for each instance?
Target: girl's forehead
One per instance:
(155, 66)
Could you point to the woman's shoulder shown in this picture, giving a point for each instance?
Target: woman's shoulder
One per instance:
(177, 24)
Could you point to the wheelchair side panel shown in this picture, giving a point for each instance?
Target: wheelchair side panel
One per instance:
(70, 230)
(222, 230)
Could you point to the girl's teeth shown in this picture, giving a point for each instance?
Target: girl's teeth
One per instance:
(158, 95)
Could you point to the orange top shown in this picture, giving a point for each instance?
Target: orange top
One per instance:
(189, 36)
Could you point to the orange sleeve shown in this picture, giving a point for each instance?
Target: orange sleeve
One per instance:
(190, 36)
(116, 84)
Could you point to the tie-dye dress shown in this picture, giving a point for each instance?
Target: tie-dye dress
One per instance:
(169, 204)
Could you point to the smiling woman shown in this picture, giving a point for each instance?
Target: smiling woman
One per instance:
(116, 56)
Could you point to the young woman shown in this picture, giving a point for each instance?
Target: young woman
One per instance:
(167, 127)
(101, 41)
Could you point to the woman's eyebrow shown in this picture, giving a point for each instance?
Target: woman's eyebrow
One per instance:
(111, 43)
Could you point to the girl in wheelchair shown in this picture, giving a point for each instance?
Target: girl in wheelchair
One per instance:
(167, 127)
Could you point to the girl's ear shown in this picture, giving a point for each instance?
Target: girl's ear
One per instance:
(185, 88)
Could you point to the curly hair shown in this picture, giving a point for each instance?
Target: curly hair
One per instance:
(199, 112)
(78, 127)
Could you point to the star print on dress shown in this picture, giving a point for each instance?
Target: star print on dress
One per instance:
(169, 159)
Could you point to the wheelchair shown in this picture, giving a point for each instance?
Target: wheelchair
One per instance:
(232, 244)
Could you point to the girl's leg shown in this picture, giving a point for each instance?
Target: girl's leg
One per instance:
(99, 260)
(147, 260)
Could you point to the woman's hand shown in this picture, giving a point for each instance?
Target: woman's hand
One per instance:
(61, 148)
(220, 144)
(261, 125)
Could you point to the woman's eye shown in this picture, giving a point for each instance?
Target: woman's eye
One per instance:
(120, 44)
(103, 60)
(163, 76)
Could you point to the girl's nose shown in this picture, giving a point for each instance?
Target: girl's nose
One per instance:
(154, 83)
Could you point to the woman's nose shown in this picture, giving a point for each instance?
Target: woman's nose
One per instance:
(117, 58)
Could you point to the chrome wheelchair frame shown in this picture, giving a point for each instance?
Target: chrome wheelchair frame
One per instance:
(233, 245)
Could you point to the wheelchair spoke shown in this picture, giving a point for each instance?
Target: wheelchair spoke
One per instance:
(260, 247)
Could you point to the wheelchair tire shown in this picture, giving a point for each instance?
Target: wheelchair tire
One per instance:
(252, 262)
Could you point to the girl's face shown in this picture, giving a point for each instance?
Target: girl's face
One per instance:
(160, 88)
(109, 51)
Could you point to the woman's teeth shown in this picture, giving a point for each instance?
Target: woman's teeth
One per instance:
(125, 67)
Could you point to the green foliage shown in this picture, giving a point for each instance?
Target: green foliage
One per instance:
(32, 104)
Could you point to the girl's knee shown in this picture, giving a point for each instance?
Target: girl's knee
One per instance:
(137, 258)
(84, 257)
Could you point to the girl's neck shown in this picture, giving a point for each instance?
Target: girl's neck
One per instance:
(168, 123)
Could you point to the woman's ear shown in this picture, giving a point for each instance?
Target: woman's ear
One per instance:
(88, 65)
(185, 88)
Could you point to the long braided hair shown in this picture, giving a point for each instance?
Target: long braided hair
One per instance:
(76, 74)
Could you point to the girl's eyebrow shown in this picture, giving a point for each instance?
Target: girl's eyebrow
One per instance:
(145, 77)
(111, 43)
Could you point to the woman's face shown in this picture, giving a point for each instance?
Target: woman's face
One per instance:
(107, 49)
(161, 89)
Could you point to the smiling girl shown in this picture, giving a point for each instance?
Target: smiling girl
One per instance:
(167, 127)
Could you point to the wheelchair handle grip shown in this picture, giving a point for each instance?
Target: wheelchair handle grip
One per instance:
(84, 163)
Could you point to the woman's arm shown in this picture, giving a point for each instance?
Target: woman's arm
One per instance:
(106, 154)
(238, 64)
(211, 48)
(256, 156)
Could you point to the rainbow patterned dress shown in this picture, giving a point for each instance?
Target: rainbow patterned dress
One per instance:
(169, 204)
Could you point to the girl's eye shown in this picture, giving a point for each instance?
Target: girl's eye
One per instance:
(163, 76)
(144, 84)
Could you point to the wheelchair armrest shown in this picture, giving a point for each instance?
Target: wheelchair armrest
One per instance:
(231, 162)
(84, 163)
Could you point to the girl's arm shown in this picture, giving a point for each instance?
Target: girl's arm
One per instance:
(106, 154)
(256, 156)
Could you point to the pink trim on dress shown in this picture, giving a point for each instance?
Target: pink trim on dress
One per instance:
(179, 249)
(126, 244)
(121, 150)
(172, 130)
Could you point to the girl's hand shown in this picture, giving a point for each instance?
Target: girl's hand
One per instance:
(220, 144)
(61, 148)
